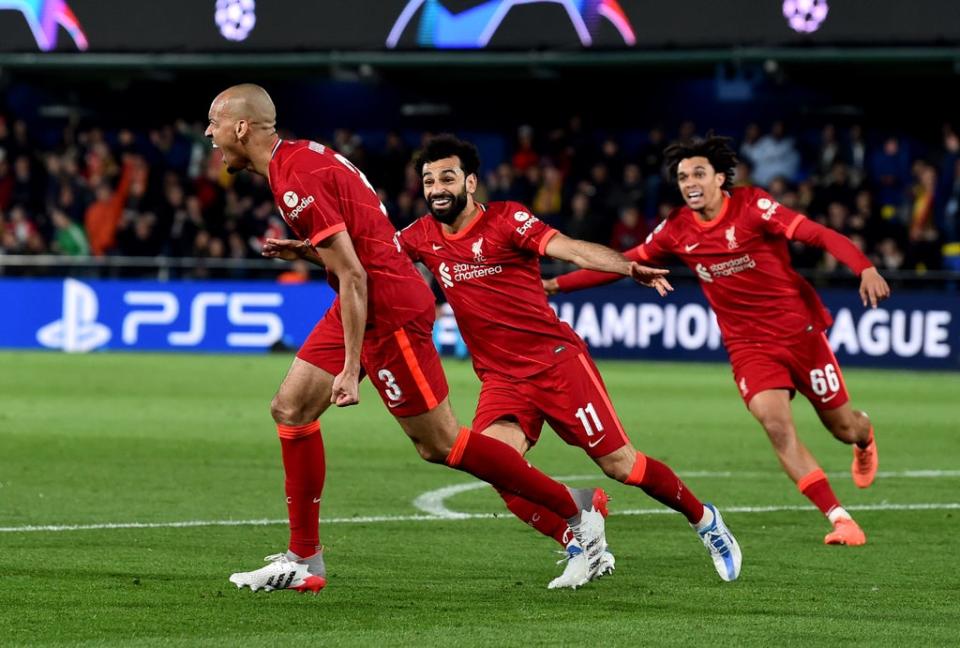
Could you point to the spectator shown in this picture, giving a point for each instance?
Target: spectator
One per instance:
(651, 168)
(924, 248)
(103, 215)
(947, 180)
(138, 237)
(580, 224)
(630, 230)
(951, 215)
(525, 156)
(836, 187)
(748, 147)
(629, 192)
(502, 184)
(23, 235)
(70, 238)
(26, 190)
(774, 155)
(6, 182)
(548, 199)
(889, 256)
(854, 153)
(828, 151)
(612, 157)
(890, 170)
(391, 163)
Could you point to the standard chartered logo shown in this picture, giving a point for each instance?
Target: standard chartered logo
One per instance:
(445, 277)
(725, 268)
(466, 272)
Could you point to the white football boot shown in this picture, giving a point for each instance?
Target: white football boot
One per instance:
(575, 573)
(285, 571)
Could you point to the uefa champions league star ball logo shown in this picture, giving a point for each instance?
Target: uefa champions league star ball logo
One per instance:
(473, 27)
(805, 16)
(235, 18)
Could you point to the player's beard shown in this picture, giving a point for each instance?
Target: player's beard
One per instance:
(458, 202)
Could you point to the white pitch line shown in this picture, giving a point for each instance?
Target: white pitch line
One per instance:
(208, 523)
(933, 506)
(881, 474)
(434, 502)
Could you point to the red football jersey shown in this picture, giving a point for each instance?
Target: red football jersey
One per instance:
(742, 262)
(319, 193)
(490, 274)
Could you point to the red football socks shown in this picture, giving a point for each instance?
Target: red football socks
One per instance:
(546, 522)
(662, 484)
(816, 488)
(305, 469)
(504, 468)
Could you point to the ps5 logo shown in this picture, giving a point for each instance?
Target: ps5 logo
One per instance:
(474, 27)
(78, 330)
(167, 308)
(45, 18)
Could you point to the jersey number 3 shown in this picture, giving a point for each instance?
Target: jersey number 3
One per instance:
(347, 163)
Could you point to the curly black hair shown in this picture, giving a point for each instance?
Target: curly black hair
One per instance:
(718, 150)
(444, 146)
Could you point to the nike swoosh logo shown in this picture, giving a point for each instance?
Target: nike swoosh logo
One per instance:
(593, 444)
(392, 405)
(436, 247)
(316, 500)
(827, 399)
(691, 248)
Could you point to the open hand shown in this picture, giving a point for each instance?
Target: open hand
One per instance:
(286, 249)
(652, 277)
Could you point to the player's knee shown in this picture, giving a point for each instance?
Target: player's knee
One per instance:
(431, 452)
(619, 471)
(619, 464)
(286, 412)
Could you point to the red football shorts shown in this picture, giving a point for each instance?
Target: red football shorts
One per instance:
(805, 364)
(403, 365)
(570, 396)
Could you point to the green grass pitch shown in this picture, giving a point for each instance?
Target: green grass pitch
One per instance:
(114, 439)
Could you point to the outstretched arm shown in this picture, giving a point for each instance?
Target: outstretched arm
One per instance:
(873, 287)
(290, 250)
(599, 258)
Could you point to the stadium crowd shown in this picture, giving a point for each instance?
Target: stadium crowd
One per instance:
(89, 191)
